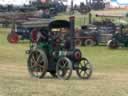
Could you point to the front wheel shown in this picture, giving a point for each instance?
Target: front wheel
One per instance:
(64, 68)
(112, 44)
(85, 69)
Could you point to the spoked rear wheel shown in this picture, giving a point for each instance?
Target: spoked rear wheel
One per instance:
(64, 68)
(37, 63)
(84, 71)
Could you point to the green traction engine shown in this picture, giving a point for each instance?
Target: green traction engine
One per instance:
(58, 54)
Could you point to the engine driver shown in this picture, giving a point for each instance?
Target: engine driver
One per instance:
(39, 35)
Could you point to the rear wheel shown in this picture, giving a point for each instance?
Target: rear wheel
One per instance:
(85, 69)
(64, 68)
(37, 63)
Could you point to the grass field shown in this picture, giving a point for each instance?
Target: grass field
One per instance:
(109, 78)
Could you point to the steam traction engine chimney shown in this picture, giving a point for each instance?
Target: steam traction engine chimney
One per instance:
(72, 31)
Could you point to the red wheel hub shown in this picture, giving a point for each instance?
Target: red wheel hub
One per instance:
(77, 55)
(13, 38)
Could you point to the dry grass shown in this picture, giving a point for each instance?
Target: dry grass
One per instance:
(15, 81)
(109, 78)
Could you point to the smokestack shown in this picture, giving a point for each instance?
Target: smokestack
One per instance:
(86, 2)
(90, 18)
(72, 31)
(72, 7)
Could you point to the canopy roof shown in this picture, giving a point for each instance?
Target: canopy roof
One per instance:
(59, 24)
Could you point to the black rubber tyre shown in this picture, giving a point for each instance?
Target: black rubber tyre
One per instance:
(89, 42)
(64, 68)
(112, 44)
(37, 63)
(85, 69)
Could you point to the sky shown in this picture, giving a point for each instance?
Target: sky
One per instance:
(15, 2)
(20, 2)
(121, 1)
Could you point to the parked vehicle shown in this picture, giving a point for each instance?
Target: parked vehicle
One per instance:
(97, 4)
(87, 36)
(120, 38)
(92, 35)
(99, 31)
(20, 31)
